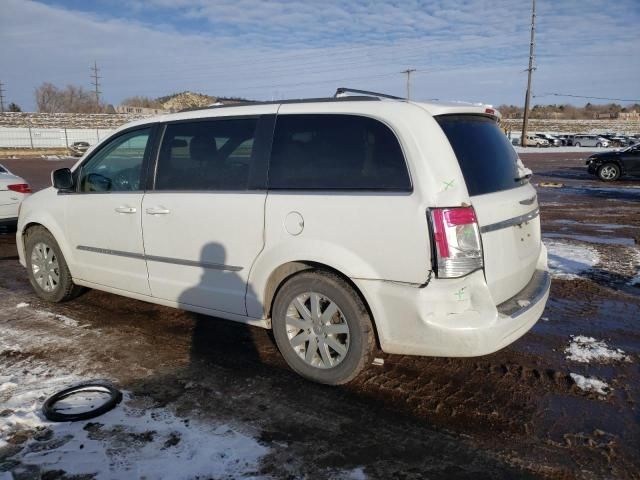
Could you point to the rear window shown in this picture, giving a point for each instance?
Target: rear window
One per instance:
(336, 152)
(486, 158)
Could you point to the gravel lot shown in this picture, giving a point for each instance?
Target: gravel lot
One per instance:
(213, 399)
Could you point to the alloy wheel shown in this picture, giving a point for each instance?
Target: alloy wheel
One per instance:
(45, 267)
(317, 330)
(608, 172)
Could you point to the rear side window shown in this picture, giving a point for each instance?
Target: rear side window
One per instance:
(336, 152)
(486, 158)
(206, 155)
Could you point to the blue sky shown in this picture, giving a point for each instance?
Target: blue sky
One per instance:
(470, 50)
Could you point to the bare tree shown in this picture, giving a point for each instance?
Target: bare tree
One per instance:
(72, 99)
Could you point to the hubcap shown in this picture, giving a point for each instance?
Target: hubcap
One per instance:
(608, 172)
(45, 267)
(317, 330)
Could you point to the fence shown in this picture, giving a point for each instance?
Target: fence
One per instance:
(29, 137)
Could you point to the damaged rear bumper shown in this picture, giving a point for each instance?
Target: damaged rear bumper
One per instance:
(454, 318)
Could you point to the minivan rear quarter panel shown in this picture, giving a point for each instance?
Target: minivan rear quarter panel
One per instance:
(365, 234)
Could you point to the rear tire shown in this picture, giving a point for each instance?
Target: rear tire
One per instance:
(577, 144)
(47, 269)
(609, 172)
(330, 342)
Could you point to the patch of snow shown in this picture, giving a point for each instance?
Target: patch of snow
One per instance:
(586, 349)
(567, 261)
(590, 384)
(524, 303)
(130, 441)
(357, 474)
(68, 321)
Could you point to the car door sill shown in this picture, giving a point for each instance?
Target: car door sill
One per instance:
(256, 322)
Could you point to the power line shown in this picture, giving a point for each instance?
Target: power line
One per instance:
(584, 96)
(96, 84)
(527, 98)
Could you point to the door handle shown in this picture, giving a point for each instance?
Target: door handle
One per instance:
(126, 209)
(158, 211)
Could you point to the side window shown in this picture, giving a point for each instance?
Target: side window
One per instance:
(116, 167)
(206, 155)
(336, 152)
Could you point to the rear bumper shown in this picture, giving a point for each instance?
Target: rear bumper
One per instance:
(454, 318)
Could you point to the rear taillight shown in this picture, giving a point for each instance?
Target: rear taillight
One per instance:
(457, 240)
(20, 188)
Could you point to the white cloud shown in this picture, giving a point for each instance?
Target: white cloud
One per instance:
(264, 49)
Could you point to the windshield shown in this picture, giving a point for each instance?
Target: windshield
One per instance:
(487, 159)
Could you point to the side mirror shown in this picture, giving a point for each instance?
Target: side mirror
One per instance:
(62, 179)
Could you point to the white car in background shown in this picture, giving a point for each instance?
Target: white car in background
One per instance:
(534, 141)
(13, 190)
(590, 141)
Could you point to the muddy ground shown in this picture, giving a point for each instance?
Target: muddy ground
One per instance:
(517, 413)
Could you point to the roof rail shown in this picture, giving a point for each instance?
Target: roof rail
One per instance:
(343, 90)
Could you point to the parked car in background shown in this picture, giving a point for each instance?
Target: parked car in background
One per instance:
(535, 141)
(581, 140)
(565, 140)
(615, 140)
(13, 189)
(79, 148)
(344, 225)
(553, 141)
(609, 166)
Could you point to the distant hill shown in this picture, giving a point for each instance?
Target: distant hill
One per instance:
(183, 100)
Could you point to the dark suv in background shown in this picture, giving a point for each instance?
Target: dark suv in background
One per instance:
(609, 166)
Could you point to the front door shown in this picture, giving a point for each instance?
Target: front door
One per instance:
(203, 221)
(631, 160)
(103, 216)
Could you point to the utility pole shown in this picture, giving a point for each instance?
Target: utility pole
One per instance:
(525, 120)
(96, 84)
(409, 71)
(1, 98)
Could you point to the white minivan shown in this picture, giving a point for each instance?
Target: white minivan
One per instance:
(344, 224)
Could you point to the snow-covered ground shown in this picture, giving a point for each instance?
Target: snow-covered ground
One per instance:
(123, 443)
(587, 349)
(135, 440)
(568, 260)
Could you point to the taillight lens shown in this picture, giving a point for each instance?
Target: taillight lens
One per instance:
(457, 239)
(20, 187)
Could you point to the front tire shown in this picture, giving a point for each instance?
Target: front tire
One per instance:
(47, 269)
(609, 172)
(598, 145)
(577, 144)
(322, 328)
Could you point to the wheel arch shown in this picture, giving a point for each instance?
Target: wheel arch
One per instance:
(55, 233)
(286, 271)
